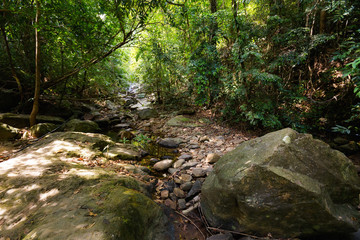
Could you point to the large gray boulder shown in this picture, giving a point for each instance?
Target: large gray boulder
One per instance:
(46, 194)
(284, 183)
(78, 125)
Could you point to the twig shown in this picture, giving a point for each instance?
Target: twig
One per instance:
(191, 223)
(239, 233)
(203, 219)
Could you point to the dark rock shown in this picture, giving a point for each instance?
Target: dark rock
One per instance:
(167, 157)
(341, 140)
(285, 183)
(181, 204)
(185, 157)
(196, 188)
(8, 99)
(186, 186)
(170, 142)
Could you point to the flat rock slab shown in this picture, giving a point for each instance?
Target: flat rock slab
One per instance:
(45, 195)
(22, 120)
(170, 142)
(122, 152)
(182, 121)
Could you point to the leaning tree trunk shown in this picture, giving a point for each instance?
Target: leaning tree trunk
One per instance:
(35, 108)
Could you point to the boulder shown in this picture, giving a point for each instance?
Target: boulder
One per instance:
(8, 99)
(285, 183)
(41, 129)
(22, 120)
(147, 113)
(8, 132)
(52, 197)
(181, 121)
(76, 125)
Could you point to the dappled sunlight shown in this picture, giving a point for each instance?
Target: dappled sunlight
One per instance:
(48, 194)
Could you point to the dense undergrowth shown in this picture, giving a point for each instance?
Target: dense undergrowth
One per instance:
(263, 64)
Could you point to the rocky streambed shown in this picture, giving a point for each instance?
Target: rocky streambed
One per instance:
(142, 179)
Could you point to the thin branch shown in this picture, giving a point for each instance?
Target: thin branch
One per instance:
(192, 223)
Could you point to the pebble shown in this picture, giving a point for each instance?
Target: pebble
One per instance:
(163, 165)
(185, 178)
(181, 204)
(198, 172)
(185, 157)
(179, 193)
(212, 158)
(188, 165)
(168, 202)
(178, 163)
(164, 194)
(196, 188)
(186, 186)
(194, 146)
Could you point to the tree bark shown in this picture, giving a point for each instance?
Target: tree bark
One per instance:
(35, 108)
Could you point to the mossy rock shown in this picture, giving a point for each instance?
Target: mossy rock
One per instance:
(86, 126)
(181, 121)
(8, 132)
(285, 183)
(41, 129)
(49, 196)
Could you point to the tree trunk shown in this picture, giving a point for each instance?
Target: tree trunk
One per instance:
(35, 108)
(13, 72)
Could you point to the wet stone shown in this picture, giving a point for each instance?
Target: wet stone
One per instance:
(181, 204)
(185, 178)
(172, 170)
(212, 158)
(186, 186)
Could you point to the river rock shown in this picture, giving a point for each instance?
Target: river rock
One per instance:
(198, 172)
(51, 197)
(185, 157)
(170, 142)
(212, 158)
(195, 189)
(179, 193)
(147, 113)
(41, 129)
(77, 125)
(285, 183)
(163, 165)
(178, 163)
(22, 120)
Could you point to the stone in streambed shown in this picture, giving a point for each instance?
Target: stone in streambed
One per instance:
(41, 129)
(212, 158)
(163, 165)
(285, 183)
(178, 163)
(170, 142)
